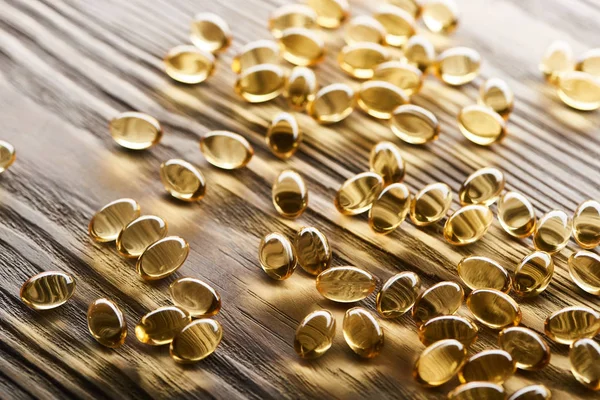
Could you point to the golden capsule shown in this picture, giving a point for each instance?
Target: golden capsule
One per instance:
(532, 392)
(256, 53)
(431, 204)
(584, 268)
(110, 220)
(162, 258)
(182, 180)
(414, 124)
(389, 208)
(291, 16)
(277, 256)
(557, 59)
(482, 187)
(533, 274)
(398, 294)
(481, 125)
(363, 29)
(407, 77)
(483, 273)
(440, 362)
(300, 88)
(7, 155)
(260, 83)
(440, 16)
(314, 335)
(312, 250)
(457, 65)
(413, 7)
(358, 193)
(189, 64)
(494, 366)
(283, 136)
(290, 194)
(363, 333)
(332, 103)
(419, 51)
(585, 356)
(478, 391)
(529, 351)
(303, 47)
(330, 13)
(589, 62)
(345, 284)
(579, 90)
(468, 224)
(195, 296)
(571, 323)
(379, 99)
(398, 24)
(196, 341)
(226, 150)
(139, 234)
(135, 130)
(493, 308)
(210, 32)
(160, 326)
(385, 159)
(106, 323)
(516, 215)
(443, 298)
(552, 232)
(586, 224)
(359, 60)
(496, 94)
(47, 290)
(448, 327)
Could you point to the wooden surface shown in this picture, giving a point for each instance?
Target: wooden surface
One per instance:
(67, 67)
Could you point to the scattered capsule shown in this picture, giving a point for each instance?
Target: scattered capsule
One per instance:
(260, 83)
(552, 232)
(314, 335)
(414, 124)
(303, 47)
(300, 88)
(189, 64)
(364, 28)
(584, 268)
(483, 273)
(589, 62)
(579, 90)
(482, 187)
(291, 16)
(398, 24)
(160, 326)
(496, 94)
(182, 180)
(256, 53)
(529, 351)
(277, 256)
(413, 7)
(226, 150)
(557, 59)
(284, 135)
(516, 215)
(135, 130)
(457, 65)
(443, 298)
(532, 392)
(363, 333)
(7, 155)
(398, 294)
(47, 290)
(379, 99)
(359, 60)
(332, 103)
(139, 234)
(440, 16)
(533, 274)
(358, 193)
(385, 159)
(493, 308)
(290, 194)
(481, 125)
(431, 204)
(494, 366)
(468, 224)
(448, 327)
(345, 284)
(585, 356)
(571, 323)
(196, 341)
(390, 208)
(312, 250)
(407, 77)
(586, 224)
(195, 296)
(110, 220)
(440, 362)
(330, 13)
(106, 323)
(210, 32)
(477, 391)
(162, 258)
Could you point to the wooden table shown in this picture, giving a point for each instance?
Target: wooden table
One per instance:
(67, 67)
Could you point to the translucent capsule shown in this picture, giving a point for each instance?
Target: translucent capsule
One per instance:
(7, 155)
(260, 83)
(330, 13)
(226, 150)
(431, 204)
(419, 51)
(291, 16)
(182, 180)
(303, 47)
(529, 351)
(106, 323)
(358, 193)
(385, 159)
(210, 32)
(413, 7)
(290, 194)
(256, 53)
(162, 258)
(407, 77)
(483, 273)
(533, 274)
(516, 215)
(493, 308)
(135, 130)
(481, 125)
(496, 94)
(160, 326)
(585, 357)
(468, 224)
(579, 90)
(379, 99)
(345, 284)
(440, 16)
(589, 62)
(363, 29)
(494, 366)
(363, 333)
(440, 362)
(448, 327)
(300, 88)
(567, 325)
(414, 124)
(139, 234)
(443, 298)
(189, 64)
(390, 208)
(398, 294)
(195, 296)
(552, 232)
(586, 224)
(196, 341)
(47, 290)
(359, 60)
(532, 392)
(312, 250)
(482, 187)
(110, 220)
(283, 136)
(314, 335)
(557, 59)
(478, 391)
(277, 256)
(332, 103)
(584, 268)
(457, 65)
(398, 24)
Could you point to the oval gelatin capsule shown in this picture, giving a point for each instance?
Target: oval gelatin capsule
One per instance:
(448, 327)
(277, 256)
(419, 51)
(585, 356)
(407, 77)
(457, 65)
(533, 274)
(571, 323)
(398, 24)
(260, 83)
(557, 59)
(7, 155)
(312, 250)
(290, 194)
(589, 62)
(330, 13)
(482, 187)
(359, 60)
(477, 391)
(182, 180)
(162, 258)
(584, 268)
(443, 298)
(529, 351)
(300, 88)
(552, 232)
(196, 341)
(160, 326)
(210, 32)
(431, 204)
(483, 273)
(413, 7)
(283, 136)
(398, 294)
(110, 220)
(226, 150)
(516, 215)
(414, 124)
(385, 159)
(332, 103)
(358, 193)
(362, 332)
(364, 28)
(440, 16)
(345, 284)
(189, 64)
(291, 16)
(314, 335)
(135, 130)
(532, 392)
(106, 323)
(198, 298)
(139, 234)
(47, 290)
(468, 224)
(494, 366)
(379, 99)
(496, 94)
(586, 224)
(302, 47)
(493, 308)
(579, 90)
(389, 208)
(256, 53)
(481, 125)
(440, 362)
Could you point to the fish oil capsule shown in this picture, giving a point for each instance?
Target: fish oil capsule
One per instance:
(532, 392)
(443, 298)
(414, 124)
(584, 268)
(533, 274)
(189, 64)
(586, 224)
(256, 53)
(139, 234)
(160, 326)
(302, 47)
(483, 273)
(182, 180)
(162, 258)
(332, 103)
(47, 290)
(431, 204)
(557, 59)
(579, 90)
(379, 99)
(413, 7)
(405, 76)
(110, 220)
(312, 250)
(300, 88)
(389, 208)
(135, 130)
(284, 136)
(291, 16)
(494, 366)
(481, 125)
(364, 28)
(567, 325)
(457, 65)
(468, 224)
(440, 362)
(398, 294)
(210, 32)
(277, 256)
(493, 308)
(529, 351)
(359, 60)
(516, 215)
(330, 13)
(496, 94)
(7, 155)
(419, 51)
(589, 62)
(345, 284)
(552, 232)
(290, 194)
(385, 159)
(358, 193)
(106, 323)
(260, 83)
(398, 24)
(363, 333)
(314, 335)
(440, 16)
(448, 327)
(226, 150)
(198, 298)
(482, 187)
(584, 356)
(196, 341)
(477, 391)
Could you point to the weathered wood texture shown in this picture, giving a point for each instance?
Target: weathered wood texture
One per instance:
(67, 67)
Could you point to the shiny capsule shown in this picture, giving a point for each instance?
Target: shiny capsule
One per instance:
(379, 99)
(407, 77)
(448, 327)
(478, 391)
(482, 187)
(443, 298)
(363, 333)
(532, 392)
(7, 155)
(386, 160)
(579, 90)
(457, 65)
(283, 136)
(290, 194)
(260, 83)
(431, 204)
(552, 232)
(414, 124)
(277, 256)
(528, 349)
(494, 366)
(210, 32)
(139, 234)
(364, 28)
(330, 13)
(314, 336)
(493, 308)
(483, 273)
(332, 103)
(398, 24)
(358, 193)
(398, 294)
(419, 51)
(567, 325)
(300, 88)
(256, 53)
(584, 268)
(302, 47)
(345, 284)
(196, 341)
(182, 180)
(106, 323)
(496, 94)
(226, 150)
(135, 130)
(440, 16)
(557, 59)
(468, 224)
(440, 362)
(533, 274)
(585, 356)
(359, 60)
(516, 215)
(390, 208)
(47, 290)
(110, 220)
(291, 16)
(189, 64)
(481, 125)
(589, 62)
(586, 224)
(160, 326)
(162, 258)
(312, 250)
(197, 297)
